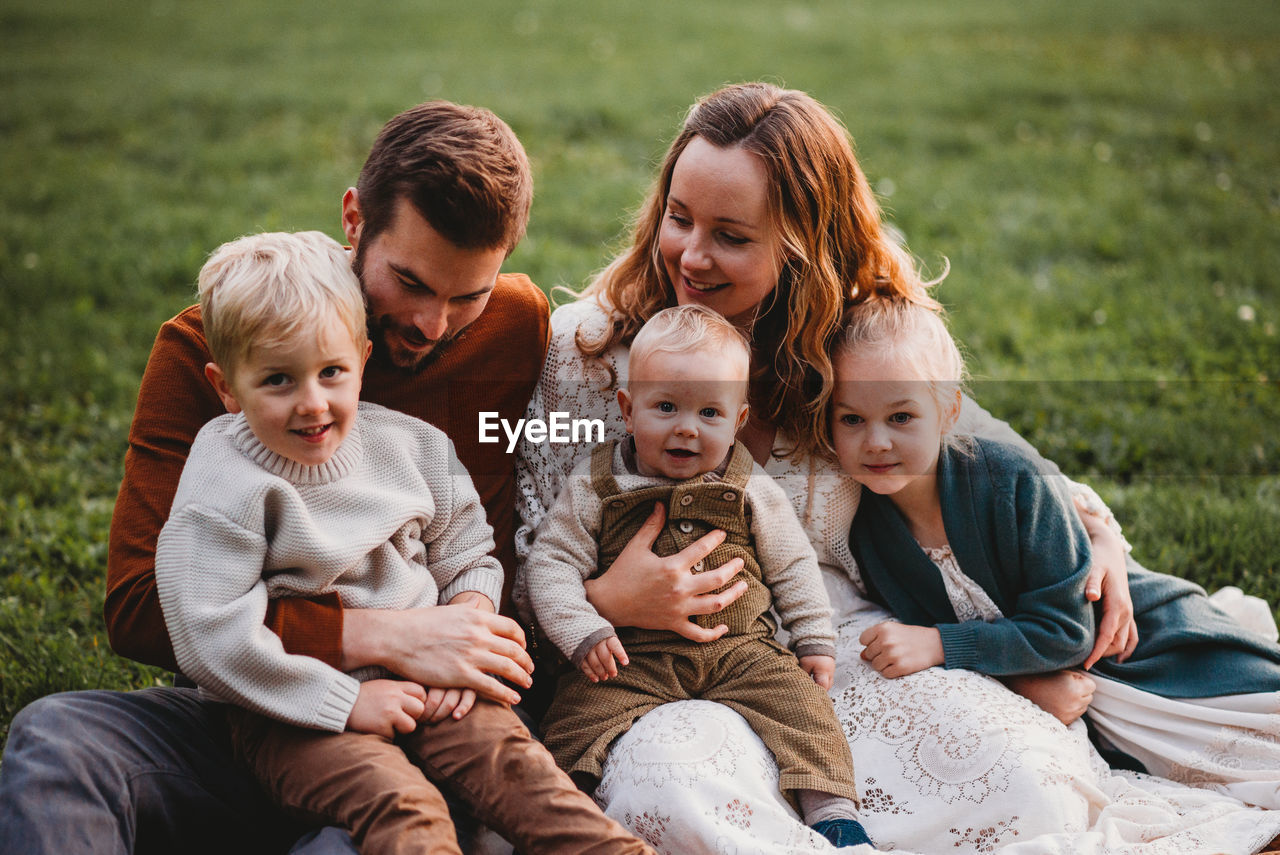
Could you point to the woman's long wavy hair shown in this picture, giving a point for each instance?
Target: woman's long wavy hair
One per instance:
(837, 252)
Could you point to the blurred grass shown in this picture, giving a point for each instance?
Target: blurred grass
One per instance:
(1104, 179)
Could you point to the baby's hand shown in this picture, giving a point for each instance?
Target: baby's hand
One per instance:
(387, 707)
(1065, 695)
(821, 668)
(599, 663)
(898, 649)
(442, 703)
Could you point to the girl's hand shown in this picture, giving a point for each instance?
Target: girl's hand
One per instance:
(897, 649)
(599, 664)
(821, 668)
(1065, 695)
(645, 591)
(1109, 581)
(387, 707)
(443, 703)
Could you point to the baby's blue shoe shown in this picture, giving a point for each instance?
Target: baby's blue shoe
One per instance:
(842, 832)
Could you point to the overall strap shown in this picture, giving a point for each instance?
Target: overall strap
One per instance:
(602, 480)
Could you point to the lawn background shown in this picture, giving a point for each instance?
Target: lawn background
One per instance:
(1104, 179)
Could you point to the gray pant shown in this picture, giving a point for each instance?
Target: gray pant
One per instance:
(116, 773)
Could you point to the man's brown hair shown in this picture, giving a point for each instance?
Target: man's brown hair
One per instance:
(461, 167)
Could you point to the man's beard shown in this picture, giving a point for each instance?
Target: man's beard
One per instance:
(406, 360)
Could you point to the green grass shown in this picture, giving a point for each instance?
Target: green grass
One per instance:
(1105, 180)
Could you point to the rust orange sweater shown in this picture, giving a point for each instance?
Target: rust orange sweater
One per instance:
(493, 366)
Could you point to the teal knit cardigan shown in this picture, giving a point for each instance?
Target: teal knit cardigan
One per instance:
(1016, 534)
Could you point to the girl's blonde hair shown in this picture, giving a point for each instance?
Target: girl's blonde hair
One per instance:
(836, 249)
(266, 289)
(911, 336)
(690, 329)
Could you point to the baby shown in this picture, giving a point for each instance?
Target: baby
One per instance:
(301, 490)
(685, 399)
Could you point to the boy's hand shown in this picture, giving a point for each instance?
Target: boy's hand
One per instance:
(387, 707)
(599, 664)
(1065, 695)
(443, 703)
(897, 649)
(821, 668)
(474, 599)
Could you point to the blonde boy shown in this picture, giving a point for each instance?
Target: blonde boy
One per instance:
(300, 490)
(685, 399)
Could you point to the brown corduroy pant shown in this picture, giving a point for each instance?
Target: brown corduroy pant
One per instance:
(382, 790)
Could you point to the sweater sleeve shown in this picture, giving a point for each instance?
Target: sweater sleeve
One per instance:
(208, 573)
(976, 421)
(459, 540)
(1051, 625)
(174, 402)
(789, 568)
(563, 556)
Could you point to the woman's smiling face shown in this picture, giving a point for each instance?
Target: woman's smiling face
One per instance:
(717, 240)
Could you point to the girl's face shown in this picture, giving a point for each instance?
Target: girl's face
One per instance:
(887, 426)
(717, 241)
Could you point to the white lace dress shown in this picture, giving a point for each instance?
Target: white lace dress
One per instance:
(946, 760)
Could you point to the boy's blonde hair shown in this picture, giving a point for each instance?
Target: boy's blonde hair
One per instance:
(687, 329)
(265, 289)
(909, 334)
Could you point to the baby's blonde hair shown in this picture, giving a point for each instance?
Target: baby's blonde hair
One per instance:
(689, 329)
(265, 289)
(909, 334)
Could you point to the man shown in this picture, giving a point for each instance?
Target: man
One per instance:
(442, 200)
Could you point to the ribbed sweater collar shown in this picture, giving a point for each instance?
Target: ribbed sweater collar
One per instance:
(341, 464)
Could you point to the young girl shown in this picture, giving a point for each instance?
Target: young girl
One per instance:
(974, 546)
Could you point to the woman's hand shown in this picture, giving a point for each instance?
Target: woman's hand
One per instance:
(1108, 581)
(648, 592)
(1065, 695)
(898, 649)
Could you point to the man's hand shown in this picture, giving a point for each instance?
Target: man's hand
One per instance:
(387, 707)
(897, 649)
(475, 599)
(1109, 581)
(599, 664)
(453, 646)
(1065, 695)
(821, 668)
(643, 590)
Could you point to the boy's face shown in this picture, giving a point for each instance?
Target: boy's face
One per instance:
(299, 396)
(887, 431)
(684, 410)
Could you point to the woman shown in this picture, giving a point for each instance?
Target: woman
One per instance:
(761, 212)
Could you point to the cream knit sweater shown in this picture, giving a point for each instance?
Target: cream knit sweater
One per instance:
(391, 521)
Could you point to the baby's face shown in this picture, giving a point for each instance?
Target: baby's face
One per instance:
(684, 410)
(300, 396)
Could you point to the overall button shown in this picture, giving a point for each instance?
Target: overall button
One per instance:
(617, 503)
(686, 526)
(729, 495)
(686, 499)
(697, 568)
